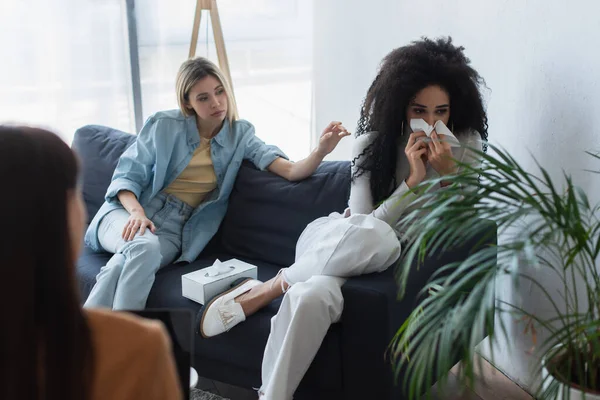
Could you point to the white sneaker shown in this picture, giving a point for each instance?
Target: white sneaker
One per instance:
(222, 313)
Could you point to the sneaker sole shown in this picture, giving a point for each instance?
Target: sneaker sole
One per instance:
(207, 306)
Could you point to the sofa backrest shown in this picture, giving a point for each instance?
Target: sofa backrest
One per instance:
(99, 149)
(266, 213)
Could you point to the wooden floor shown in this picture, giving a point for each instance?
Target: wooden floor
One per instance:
(490, 384)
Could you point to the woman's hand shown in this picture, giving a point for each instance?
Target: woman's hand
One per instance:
(330, 137)
(416, 152)
(439, 155)
(137, 222)
(294, 172)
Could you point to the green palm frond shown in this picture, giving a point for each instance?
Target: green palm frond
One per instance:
(543, 226)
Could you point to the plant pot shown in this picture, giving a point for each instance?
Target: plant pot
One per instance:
(565, 392)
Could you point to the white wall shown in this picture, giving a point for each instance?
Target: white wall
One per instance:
(540, 59)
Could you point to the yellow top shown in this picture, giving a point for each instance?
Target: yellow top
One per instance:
(198, 179)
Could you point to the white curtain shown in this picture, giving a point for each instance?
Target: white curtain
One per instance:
(64, 64)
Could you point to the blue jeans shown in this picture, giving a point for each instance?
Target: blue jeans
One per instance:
(125, 281)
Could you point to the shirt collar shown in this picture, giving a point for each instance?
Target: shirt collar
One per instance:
(194, 138)
(221, 137)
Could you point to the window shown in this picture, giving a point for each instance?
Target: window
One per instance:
(64, 64)
(67, 63)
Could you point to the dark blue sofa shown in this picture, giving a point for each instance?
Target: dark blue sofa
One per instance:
(265, 217)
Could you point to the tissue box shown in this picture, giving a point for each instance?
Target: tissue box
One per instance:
(204, 284)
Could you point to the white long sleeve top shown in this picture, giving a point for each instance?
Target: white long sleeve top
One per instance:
(396, 206)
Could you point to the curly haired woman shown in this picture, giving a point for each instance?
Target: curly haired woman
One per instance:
(421, 114)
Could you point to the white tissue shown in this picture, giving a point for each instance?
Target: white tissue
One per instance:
(419, 125)
(217, 269)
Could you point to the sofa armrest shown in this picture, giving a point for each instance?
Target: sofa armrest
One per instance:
(372, 315)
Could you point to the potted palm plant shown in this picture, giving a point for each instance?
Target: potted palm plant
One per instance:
(545, 227)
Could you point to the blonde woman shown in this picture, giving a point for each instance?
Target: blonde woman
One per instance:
(170, 189)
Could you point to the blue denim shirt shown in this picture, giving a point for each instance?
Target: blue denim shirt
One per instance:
(164, 147)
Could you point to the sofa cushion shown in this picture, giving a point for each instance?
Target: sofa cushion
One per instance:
(267, 213)
(99, 149)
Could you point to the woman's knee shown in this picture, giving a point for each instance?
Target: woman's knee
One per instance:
(146, 245)
(317, 294)
(116, 262)
(383, 244)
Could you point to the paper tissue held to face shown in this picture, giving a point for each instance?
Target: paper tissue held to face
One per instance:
(419, 125)
(204, 284)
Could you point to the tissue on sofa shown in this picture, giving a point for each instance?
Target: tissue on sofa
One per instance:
(204, 284)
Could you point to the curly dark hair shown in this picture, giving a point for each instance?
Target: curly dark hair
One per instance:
(402, 74)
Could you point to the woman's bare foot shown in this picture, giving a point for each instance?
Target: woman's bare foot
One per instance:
(261, 295)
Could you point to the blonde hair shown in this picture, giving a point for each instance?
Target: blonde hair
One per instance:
(194, 70)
